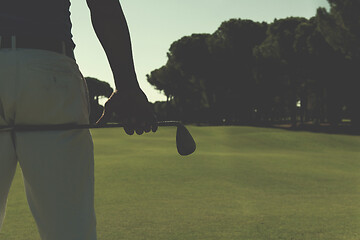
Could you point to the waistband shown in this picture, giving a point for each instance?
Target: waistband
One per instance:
(14, 42)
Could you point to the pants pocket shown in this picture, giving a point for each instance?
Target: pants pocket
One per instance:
(52, 95)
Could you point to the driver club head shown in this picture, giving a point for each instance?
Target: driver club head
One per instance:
(184, 141)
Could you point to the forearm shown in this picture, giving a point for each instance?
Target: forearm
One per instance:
(112, 31)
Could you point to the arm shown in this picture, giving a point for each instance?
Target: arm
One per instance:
(112, 31)
(128, 101)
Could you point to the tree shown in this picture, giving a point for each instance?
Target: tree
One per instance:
(277, 70)
(212, 74)
(247, 70)
(231, 76)
(341, 29)
(180, 78)
(320, 68)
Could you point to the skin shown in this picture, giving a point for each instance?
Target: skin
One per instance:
(128, 101)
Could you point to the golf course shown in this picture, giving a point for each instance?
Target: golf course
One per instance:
(242, 183)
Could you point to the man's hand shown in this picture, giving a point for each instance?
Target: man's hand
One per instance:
(129, 103)
(133, 109)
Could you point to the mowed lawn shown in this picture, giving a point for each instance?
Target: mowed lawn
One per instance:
(242, 183)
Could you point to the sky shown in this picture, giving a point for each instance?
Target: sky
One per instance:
(155, 24)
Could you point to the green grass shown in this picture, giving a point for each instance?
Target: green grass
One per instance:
(242, 183)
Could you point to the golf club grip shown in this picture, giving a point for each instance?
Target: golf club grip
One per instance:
(56, 127)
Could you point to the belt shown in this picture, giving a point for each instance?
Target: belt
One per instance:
(36, 43)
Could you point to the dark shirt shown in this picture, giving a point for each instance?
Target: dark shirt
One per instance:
(41, 18)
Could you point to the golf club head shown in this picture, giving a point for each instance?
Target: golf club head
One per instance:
(184, 141)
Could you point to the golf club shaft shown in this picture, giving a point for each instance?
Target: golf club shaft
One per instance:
(29, 128)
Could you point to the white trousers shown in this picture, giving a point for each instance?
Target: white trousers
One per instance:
(43, 87)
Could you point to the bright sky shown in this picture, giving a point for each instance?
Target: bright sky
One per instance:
(155, 24)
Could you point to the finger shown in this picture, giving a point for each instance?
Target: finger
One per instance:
(129, 130)
(139, 127)
(154, 127)
(150, 122)
(129, 126)
(139, 131)
(147, 127)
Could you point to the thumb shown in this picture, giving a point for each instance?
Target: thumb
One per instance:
(105, 117)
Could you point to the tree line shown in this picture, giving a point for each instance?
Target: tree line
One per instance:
(293, 69)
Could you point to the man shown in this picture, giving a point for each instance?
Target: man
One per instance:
(40, 83)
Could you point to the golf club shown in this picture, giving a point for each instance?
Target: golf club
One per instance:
(184, 141)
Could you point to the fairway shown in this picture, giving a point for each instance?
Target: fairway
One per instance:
(242, 183)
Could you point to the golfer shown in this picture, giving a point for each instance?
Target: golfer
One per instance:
(40, 84)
